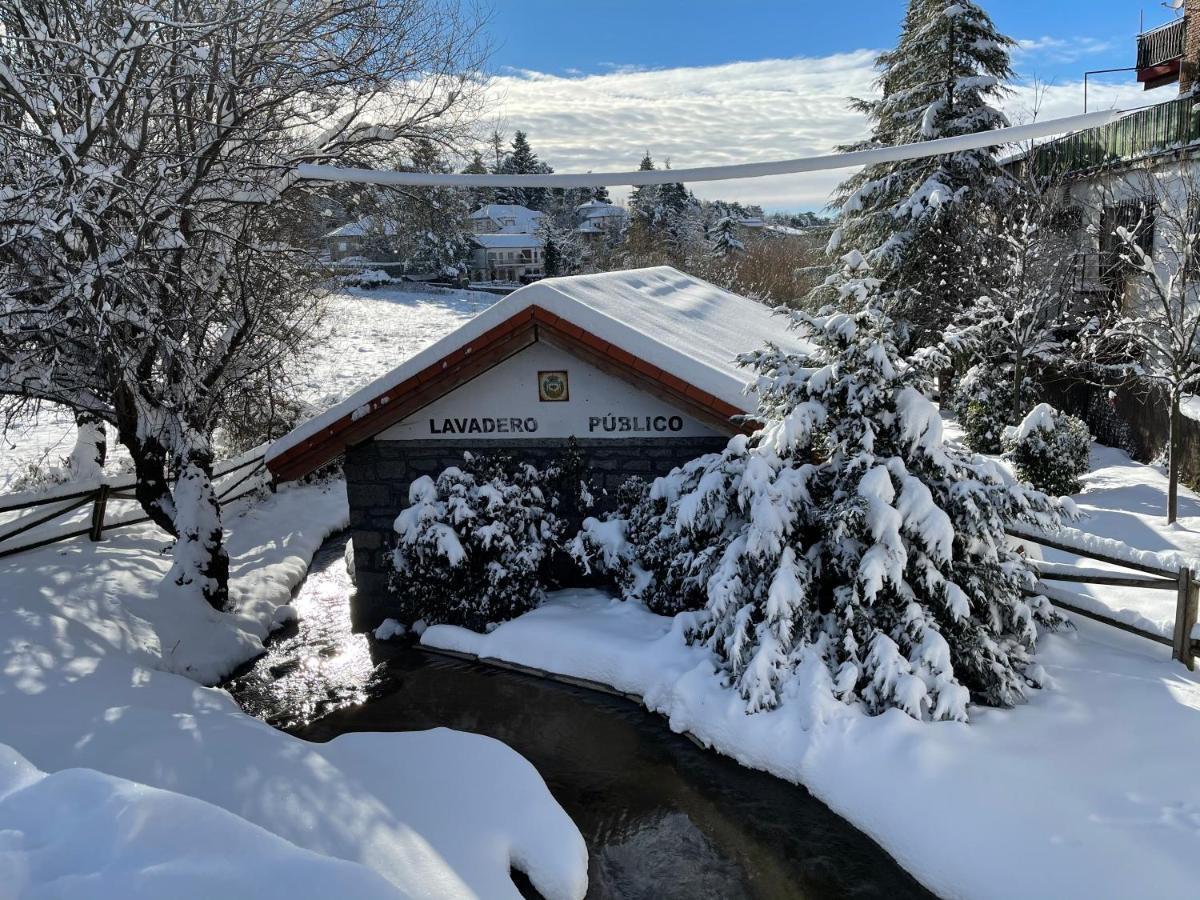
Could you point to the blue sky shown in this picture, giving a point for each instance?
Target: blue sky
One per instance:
(567, 36)
(700, 82)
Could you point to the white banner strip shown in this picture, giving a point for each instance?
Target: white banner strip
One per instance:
(994, 138)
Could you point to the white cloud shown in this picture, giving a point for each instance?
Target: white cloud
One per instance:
(737, 112)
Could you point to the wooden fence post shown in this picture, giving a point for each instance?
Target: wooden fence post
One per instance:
(1185, 618)
(98, 509)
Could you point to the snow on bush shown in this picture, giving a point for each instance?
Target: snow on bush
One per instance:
(845, 530)
(472, 543)
(1050, 450)
(983, 401)
(367, 278)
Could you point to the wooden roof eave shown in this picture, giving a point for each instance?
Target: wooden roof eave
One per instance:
(478, 356)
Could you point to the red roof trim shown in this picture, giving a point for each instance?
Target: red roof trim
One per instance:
(466, 362)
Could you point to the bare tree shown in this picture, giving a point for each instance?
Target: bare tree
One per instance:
(1158, 324)
(147, 189)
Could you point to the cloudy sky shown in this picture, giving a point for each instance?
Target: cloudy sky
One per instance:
(702, 83)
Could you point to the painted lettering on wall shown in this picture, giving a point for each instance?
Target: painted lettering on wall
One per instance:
(484, 425)
(634, 423)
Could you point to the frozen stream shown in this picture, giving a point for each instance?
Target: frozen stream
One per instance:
(662, 818)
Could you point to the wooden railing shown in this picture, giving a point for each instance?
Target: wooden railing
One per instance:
(1148, 571)
(1161, 44)
(28, 519)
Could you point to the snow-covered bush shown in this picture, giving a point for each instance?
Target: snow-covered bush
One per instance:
(472, 543)
(845, 537)
(367, 278)
(983, 401)
(1049, 449)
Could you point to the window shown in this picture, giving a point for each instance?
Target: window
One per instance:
(1136, 217)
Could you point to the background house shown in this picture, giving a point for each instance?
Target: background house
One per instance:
(597, 219)
(505, 218)
(506, 257)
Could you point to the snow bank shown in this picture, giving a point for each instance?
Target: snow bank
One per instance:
(89, 653)
(1053, 799)
(81, 834)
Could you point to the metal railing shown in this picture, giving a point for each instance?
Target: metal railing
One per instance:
(1161, 44)
(1149, 572)
(34, 524)
(1164, 126)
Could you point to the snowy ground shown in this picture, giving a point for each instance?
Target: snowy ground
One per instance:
(365, 334)
(162, 787)
(120, 777)
(1126, 501)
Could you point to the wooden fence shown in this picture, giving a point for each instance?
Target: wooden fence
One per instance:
(1148, 571)
(48, 516)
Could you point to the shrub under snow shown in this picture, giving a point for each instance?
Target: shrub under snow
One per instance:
(1050, 450)
(983, 400)
(472, 543)
(845, 530)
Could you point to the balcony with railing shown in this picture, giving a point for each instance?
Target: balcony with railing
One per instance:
(1160, 53)
(1166, 126)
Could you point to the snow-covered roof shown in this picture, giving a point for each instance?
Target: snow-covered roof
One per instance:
(679, 324)
(506, 241)
(603, 211)
(525, 220)
(361, 228)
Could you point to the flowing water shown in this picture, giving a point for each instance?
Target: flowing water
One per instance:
(662, 818)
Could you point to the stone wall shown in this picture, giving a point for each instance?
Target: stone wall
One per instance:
(378, 475)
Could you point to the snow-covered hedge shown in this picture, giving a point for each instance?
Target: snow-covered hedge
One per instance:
(1049, 449)
(473, 546)
(844, 540)
(367, 278)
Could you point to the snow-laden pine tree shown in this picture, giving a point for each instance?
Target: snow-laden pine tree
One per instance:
(845, 536)
(923, 223)
(723, 239)
(521, 160)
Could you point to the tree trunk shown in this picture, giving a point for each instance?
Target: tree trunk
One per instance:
(1173, 450)
(151, 488)
(1018, 377)
(199, 561)
(86, 461)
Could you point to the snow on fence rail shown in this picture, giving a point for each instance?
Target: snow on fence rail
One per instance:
(1156, 571)
(41, 507)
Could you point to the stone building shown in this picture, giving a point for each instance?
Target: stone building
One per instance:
(639, 367)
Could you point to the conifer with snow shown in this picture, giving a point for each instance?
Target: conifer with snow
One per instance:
(922, 223)
(846, 534)
(723, 238)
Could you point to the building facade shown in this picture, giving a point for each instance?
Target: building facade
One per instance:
(637, 369)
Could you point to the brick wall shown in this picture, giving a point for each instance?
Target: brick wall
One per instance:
(378, 475)
(1189, 68)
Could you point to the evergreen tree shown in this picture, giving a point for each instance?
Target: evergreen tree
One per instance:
(521, 160)
(844, 542)
(562, 249)
(643, 200)
(477, 197)
(724, 239)
(923, 223)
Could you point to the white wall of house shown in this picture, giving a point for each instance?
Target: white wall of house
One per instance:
(505, 403)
